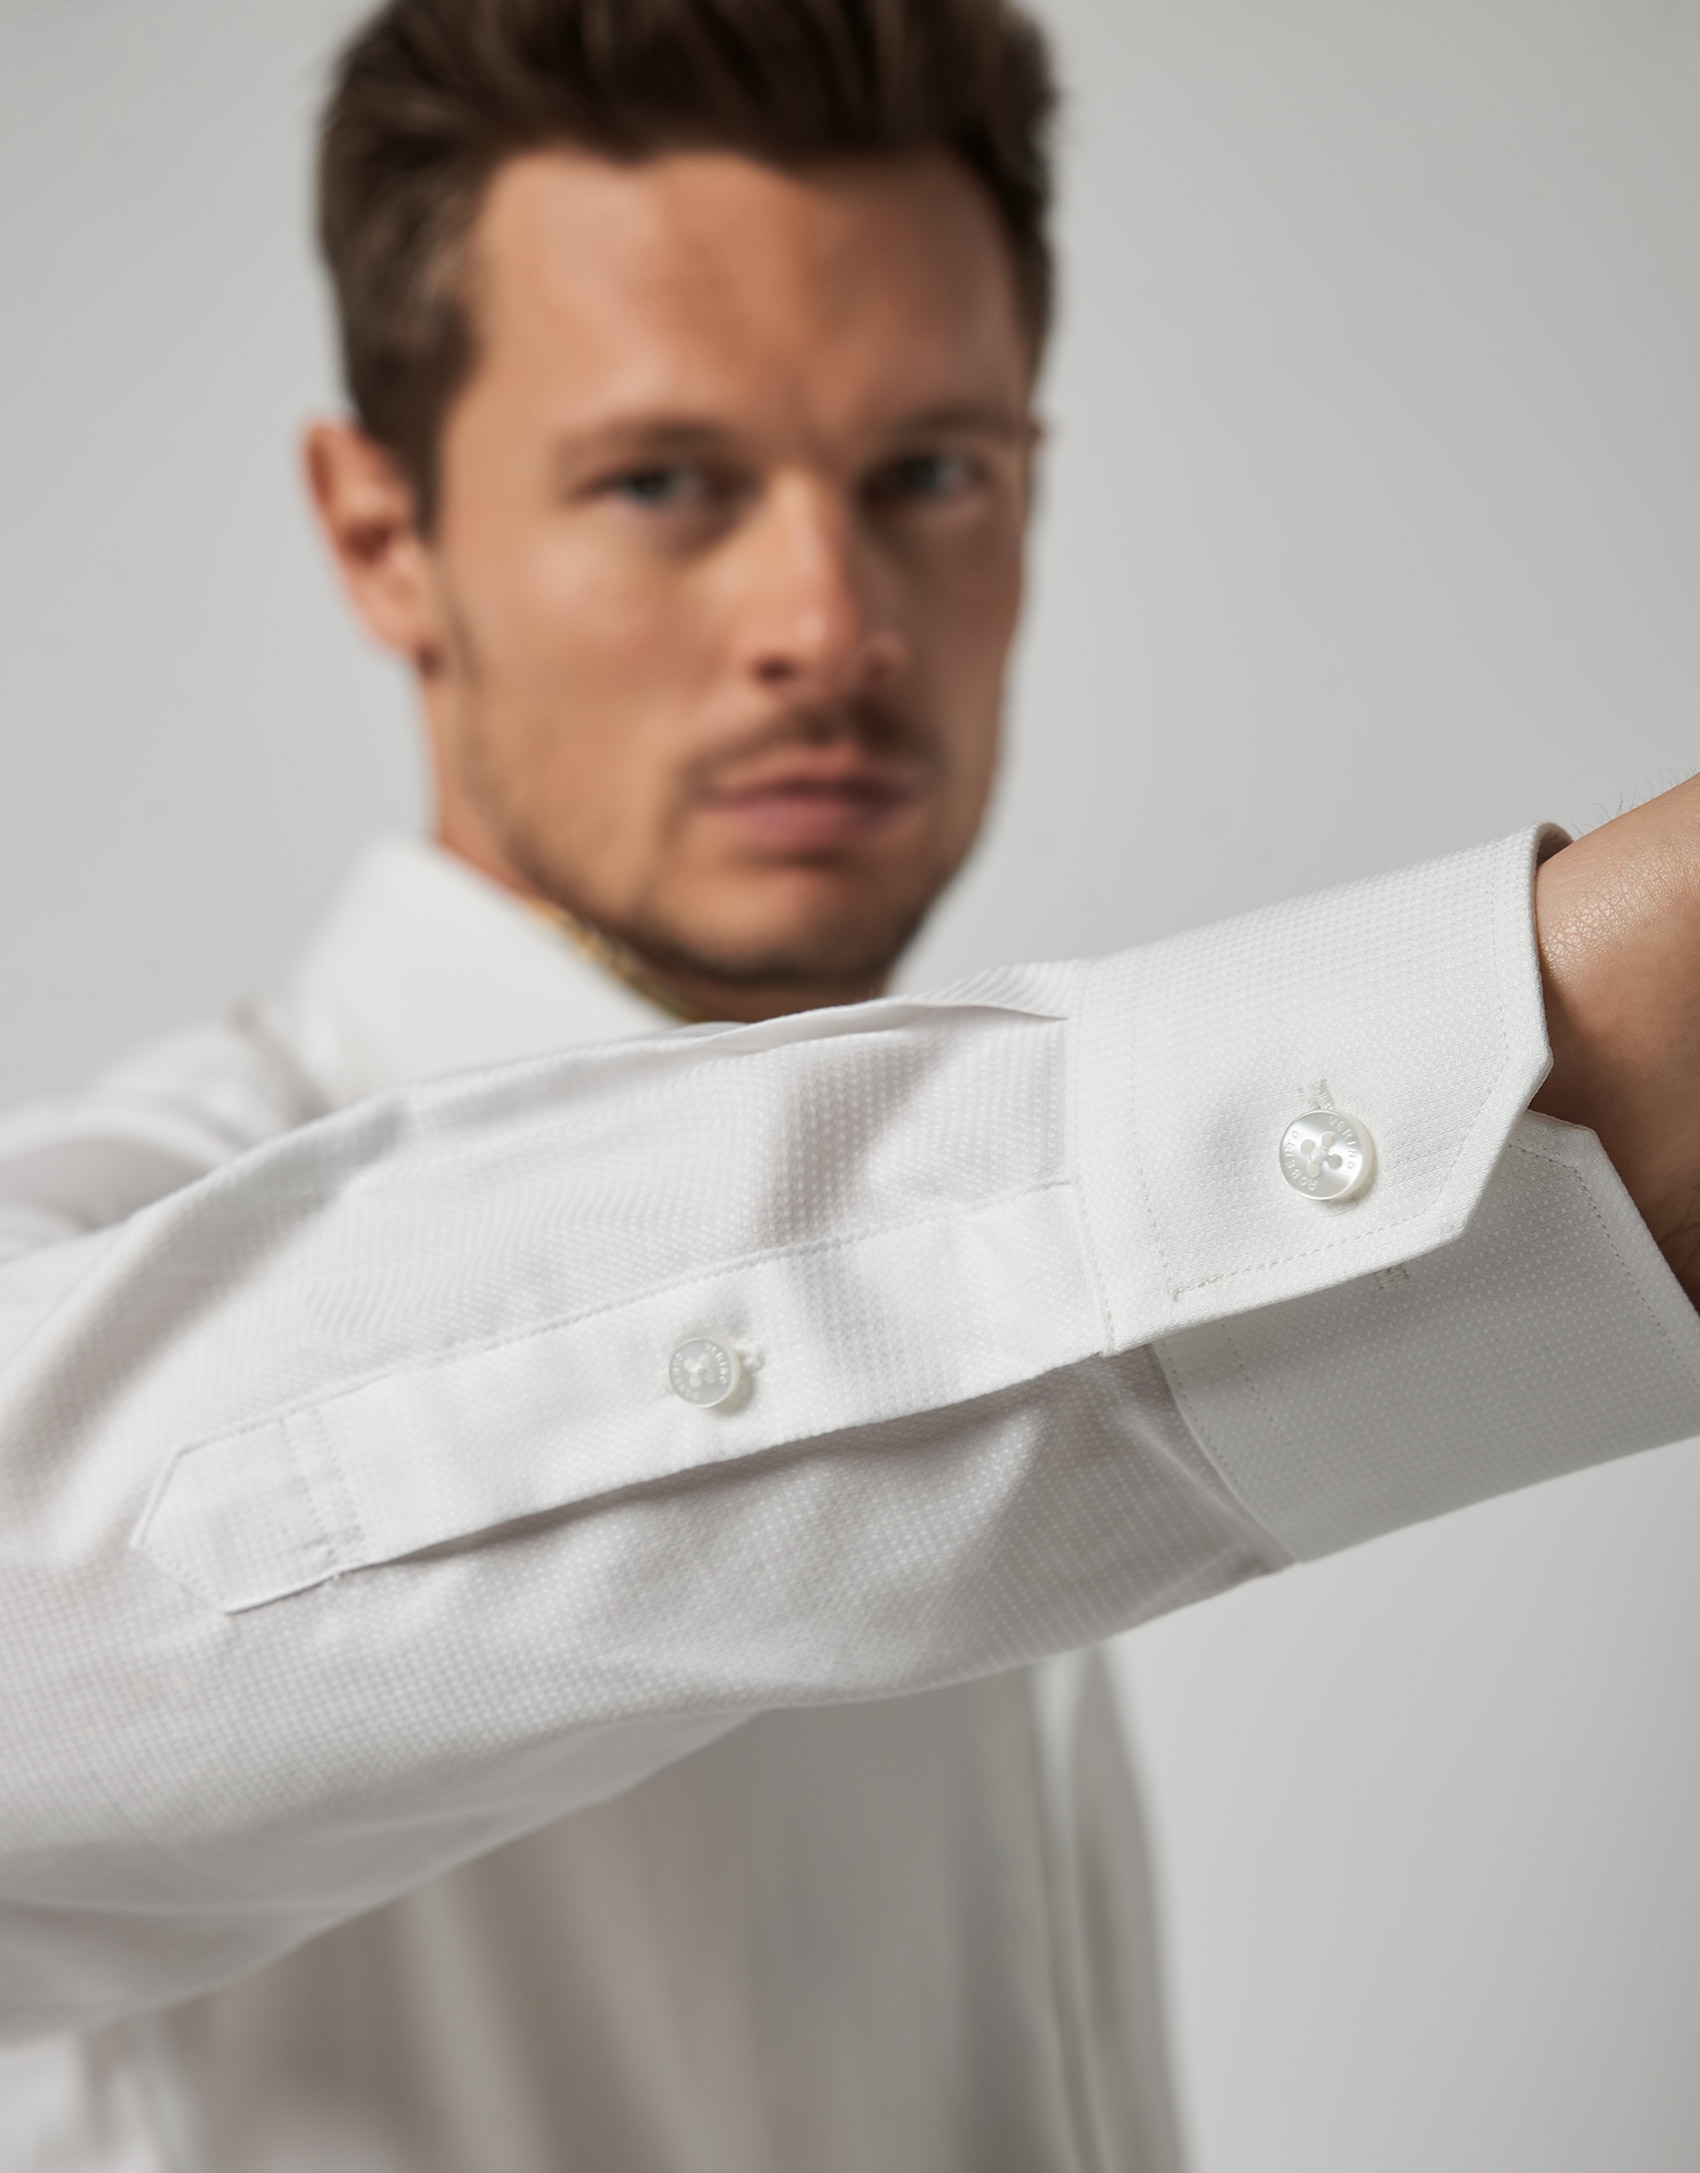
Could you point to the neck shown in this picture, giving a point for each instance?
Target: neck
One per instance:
(619, 959)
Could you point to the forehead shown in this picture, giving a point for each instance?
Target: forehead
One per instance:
(705, 277)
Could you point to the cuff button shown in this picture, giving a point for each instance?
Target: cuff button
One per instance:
(1327, 1156)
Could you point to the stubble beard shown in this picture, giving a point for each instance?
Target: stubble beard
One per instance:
(848, 951)
(841, 955)
(854, 952)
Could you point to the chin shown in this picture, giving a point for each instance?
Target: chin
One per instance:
(819, 929)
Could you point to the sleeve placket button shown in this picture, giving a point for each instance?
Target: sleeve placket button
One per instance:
(705, 1370)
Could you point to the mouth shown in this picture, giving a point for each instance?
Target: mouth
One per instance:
(802, 811)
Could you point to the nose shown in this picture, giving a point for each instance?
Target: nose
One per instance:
(814, 618)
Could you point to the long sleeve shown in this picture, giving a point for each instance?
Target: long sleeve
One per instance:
(350, 1523)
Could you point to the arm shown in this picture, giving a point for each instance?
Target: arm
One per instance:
(351, 1527)
(1619, 919)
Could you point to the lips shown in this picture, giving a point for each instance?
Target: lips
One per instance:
(800, 812)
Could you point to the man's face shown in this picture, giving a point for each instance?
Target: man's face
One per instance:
(716, 611)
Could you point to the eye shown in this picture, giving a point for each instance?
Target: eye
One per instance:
(661, 489)
(925, 479)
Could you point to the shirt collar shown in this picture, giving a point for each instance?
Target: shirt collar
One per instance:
(423, 966)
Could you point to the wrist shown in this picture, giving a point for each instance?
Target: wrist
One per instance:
(1617, 918)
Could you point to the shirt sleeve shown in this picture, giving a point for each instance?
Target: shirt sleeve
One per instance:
(352, 1523)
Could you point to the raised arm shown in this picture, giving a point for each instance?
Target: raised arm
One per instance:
(365, 1504)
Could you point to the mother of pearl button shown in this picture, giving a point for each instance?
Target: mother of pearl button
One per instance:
(1327, 1156)
(705, 1370)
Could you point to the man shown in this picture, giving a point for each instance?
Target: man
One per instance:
(536, 1559)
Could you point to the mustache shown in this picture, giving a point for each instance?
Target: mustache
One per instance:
(865, 728)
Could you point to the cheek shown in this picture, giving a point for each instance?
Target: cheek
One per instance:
(963, 653)
(587, 656)
(583, 675)
(580, 621)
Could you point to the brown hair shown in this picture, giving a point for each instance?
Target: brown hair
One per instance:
(431, 96)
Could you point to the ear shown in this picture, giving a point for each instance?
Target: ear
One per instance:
(366, 511)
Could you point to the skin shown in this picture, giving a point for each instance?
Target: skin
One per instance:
(712, 629)
(1618, 918)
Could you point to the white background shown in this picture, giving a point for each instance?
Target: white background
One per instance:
(1370, 530)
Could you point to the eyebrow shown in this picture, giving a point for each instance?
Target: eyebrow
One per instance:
(964, 418)
(646, 436)
(662, 435)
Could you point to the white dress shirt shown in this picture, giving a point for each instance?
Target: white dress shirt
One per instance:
(358, 1522)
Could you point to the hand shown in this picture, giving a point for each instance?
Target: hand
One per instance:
(1617, 915)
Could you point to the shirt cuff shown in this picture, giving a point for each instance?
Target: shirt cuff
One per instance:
(1411, 1002)
(1550, 1336)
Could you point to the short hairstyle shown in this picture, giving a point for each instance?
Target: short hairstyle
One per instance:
(431, 96)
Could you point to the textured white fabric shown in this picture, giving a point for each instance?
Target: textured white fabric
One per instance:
(350, 1532)
(1327, 1453)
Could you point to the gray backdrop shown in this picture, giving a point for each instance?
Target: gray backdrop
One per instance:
(1369, 530)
